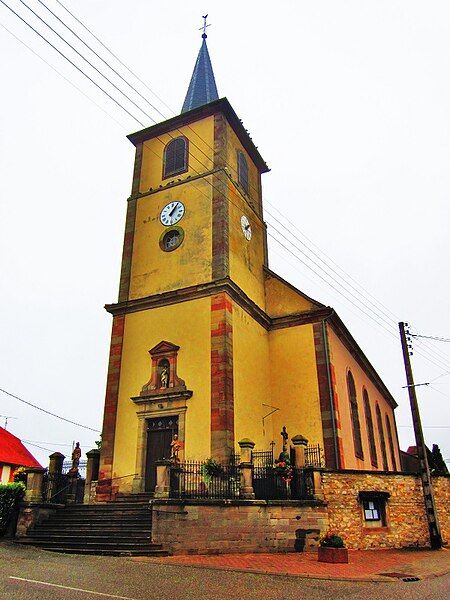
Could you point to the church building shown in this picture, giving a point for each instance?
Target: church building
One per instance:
(208, 343)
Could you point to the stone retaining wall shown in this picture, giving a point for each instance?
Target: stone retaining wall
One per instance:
(441, 487)
(406, 524)
(33, 513)
(218, 526)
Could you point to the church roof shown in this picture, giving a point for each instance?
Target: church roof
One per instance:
(13, 452)
(202, 88)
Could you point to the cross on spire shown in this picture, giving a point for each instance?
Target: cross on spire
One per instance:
(204, 26)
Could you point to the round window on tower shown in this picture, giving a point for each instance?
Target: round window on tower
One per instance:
(171, 239)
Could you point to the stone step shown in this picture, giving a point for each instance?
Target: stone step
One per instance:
(71, 539)
(143, 498)
(117, 529)
(106, 508)
(100, 551)
(101, 519)
(50, 527)
(81, 543)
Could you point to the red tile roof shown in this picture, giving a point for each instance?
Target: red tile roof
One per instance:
(13, 452)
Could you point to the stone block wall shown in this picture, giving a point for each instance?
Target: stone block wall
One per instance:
(406, 524)
(218, 526)
(441, 488)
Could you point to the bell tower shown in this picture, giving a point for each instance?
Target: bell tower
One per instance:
(194, 247)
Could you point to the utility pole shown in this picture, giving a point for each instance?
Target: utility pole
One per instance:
(427, 487)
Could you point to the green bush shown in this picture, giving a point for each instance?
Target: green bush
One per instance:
(10, 496)
(332, 540)
(210, 469)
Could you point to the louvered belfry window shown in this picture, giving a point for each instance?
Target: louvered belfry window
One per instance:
(243, 171)
(355, 416)
(391, 443)
(175, 157)
(382, 441)
(370, 433)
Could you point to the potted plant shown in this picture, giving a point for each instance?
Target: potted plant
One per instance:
(332, 549)
(285, 471)
(210, 469)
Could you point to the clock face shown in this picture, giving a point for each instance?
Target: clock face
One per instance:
(172, 213)
(246, 228)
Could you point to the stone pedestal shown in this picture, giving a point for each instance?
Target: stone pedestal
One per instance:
(35, 478)
(162, 488)
(246, 482)
(93, 463)
(55, 463)
(54, 475)
(299, 442)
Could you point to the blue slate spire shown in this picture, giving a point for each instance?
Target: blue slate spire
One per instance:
(202, 88)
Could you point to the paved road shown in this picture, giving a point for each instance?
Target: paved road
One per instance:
(30, 574)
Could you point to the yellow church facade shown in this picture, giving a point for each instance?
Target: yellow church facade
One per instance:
(208, 344)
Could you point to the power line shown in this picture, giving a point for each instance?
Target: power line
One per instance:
(48, 412)
(88, 62)
(102, 59)
(116, 57)
(49, 443)
(430, 337)
(36, 446)
(428, 426)
(120, 91)
(70, 61)
(61, 75)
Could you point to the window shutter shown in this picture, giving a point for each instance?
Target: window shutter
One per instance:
(175, 157)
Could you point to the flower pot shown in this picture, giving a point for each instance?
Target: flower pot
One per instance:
(332, 555)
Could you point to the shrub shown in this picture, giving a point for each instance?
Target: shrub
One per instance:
(20, 475)
(210, 469)
(332, 540)
(10, 496)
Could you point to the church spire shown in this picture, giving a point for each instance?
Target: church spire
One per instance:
(202, 88)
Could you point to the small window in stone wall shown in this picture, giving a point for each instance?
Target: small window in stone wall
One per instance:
(374, 508)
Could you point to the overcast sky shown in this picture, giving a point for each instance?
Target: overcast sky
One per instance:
(348, 102)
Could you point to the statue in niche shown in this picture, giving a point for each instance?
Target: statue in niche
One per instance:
(164, 377)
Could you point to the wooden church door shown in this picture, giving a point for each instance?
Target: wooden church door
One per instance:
(160, 434)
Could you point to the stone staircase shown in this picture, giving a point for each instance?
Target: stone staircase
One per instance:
(119, 528)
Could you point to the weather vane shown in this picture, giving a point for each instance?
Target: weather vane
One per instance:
(204, 26)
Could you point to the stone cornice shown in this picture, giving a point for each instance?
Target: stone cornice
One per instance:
(192, 293)
(302, 318)
(269, 323)
(191, 178)
(174, 183)
(163, 396)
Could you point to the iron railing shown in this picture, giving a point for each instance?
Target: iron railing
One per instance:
(263, 458)
(59, 488)
(82, 465)
(314, 456)
(189, 480)
(270, 485)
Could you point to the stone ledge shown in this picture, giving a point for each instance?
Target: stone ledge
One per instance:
(235, 502)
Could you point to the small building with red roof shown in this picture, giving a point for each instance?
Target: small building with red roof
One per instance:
(13, 454)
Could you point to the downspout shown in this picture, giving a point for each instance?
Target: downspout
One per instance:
(330, 393)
